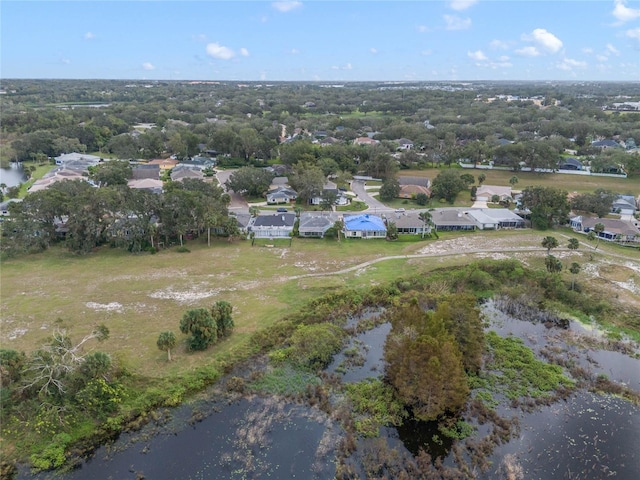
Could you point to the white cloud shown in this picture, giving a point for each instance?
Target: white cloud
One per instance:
(499, 44)
(612, 50)
(65, 60)
(633, 33)
(545, 40)
(504, 58)
(461, 4)
(477, 56)
(587, 50)
(528, 52)
(569, 64)
(244, 52)
(373, 50)
(602, 58)
(453, 22)
(218, 51)
(286, 6)
(346, 66)
(294, 51)
(89, 36)
(623, 13)
(423, 29)
(148, 66)
(426, 53)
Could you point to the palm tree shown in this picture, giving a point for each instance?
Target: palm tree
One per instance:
(426, 219)
(598, 228)
(254, 211)
(481, 178)
(573, 244)
(549, 242)
(513, 180)
(574, 269)
(338, 226)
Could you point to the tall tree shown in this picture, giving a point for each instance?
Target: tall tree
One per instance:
(575, 270)
(447, 185)
(549, 243)
(166, 341)
(200, 324)
(548, 205)
(221, 314)
(419, 343)
(390, 189)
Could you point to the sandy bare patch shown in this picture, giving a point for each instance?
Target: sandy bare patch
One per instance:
(105, 307)
(191, 295)
(16, 332)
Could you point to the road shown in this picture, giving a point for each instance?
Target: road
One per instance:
(375, 205)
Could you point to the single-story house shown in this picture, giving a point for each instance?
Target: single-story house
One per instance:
(316, 224)
(281, 195)
(624, 205)
(199, 162)
(55, 176)
(181, 174)
(272, 225)
(494, 218)
(452, 220)
(138, 172)
(409, 223)
(89, 160)
(411, 191)
(604, 144)
(364, 226)
(150, 184)
(328, 141)
(614, 230)
(409, 180)
(487, 192)
(570, 163)
(341, 198)
(365, 141)
(164, 163)
(404, 144)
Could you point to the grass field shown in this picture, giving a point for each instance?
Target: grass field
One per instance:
(570, 183)
(138, 296)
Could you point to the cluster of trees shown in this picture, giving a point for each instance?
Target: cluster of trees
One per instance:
(205, 326)
(554, 265)
(250, 123)
(85, 217)
(57, 385)
(432, 346)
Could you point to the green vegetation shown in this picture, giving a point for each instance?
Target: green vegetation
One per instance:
(284, 380)
(375, 404)
(515, 372)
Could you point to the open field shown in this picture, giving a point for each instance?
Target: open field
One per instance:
(568, 182)
(137, 297)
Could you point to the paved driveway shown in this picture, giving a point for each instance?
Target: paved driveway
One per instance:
(237, 201)
(375, 205)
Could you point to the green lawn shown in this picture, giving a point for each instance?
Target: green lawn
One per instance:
(570, 183)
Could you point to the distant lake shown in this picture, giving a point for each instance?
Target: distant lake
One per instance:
(12, 176)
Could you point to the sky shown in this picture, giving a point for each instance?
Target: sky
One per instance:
(317, 40)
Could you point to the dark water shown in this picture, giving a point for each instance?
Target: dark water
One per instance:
(587, 436)
(257, 438)
(12, 176)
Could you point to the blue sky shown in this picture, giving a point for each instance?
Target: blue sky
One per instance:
(322, 40)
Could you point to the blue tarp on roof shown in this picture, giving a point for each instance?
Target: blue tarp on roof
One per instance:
(364, 222)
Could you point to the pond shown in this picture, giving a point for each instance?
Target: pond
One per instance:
(12, 176)
(586, 435)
